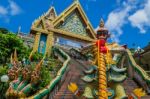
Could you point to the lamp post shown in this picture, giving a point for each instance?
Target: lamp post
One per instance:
(4, 79)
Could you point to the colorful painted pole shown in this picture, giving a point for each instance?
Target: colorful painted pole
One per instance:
(102, 35)
(102, 74)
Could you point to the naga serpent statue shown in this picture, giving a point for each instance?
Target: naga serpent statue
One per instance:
(23, 80)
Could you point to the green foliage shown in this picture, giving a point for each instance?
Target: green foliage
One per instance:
(4, 30)
(3, 89)
(48, 71)
(46, 77)
(3, 70)
(37, 56)
(54, 64)
(8, 43)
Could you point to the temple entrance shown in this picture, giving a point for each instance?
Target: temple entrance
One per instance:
(72, 29)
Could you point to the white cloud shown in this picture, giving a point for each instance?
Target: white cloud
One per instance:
(141, 18)
(123, 14)
(117, 19)
(3, 10)
(11, 10)
(14, 8)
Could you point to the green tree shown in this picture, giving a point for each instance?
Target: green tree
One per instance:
(37, 56)
(8, 43)
(4, 30)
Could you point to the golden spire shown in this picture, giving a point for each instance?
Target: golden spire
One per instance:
(15, 55)
(11, 58)
(102, 23)
(38, 66)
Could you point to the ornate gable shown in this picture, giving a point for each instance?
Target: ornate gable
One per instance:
(73, 24)
(74, 20)
(45, 21)
(51, 14)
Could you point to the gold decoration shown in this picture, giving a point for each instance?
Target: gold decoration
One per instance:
(139, 92)
(11, 58)
(15, 56)
(73, 87)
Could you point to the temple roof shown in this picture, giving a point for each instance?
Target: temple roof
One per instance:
(75, 7)
(50, 18)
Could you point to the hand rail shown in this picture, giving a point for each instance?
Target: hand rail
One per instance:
(137, 67)
(52, 84)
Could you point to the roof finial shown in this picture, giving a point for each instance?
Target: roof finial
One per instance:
(102, 23)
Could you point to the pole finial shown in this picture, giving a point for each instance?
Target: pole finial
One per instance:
(102, 23)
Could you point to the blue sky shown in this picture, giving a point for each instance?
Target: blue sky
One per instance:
(127, 20)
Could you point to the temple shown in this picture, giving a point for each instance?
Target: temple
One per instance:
(88, 67)
(71, 24)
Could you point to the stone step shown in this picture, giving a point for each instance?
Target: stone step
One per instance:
(129, 86)
(75, 72)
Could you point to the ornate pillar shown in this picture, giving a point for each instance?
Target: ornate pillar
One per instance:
(36, 42)
(102, 35)
(102, 74)
(49, 43)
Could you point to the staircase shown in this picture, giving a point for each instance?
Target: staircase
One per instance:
(74, 75)
(129, 85)
(63, 93)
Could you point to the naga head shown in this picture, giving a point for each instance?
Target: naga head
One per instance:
(35, 77)
(13, 73)
(26, 73)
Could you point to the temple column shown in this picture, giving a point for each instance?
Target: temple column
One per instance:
(49, 43)
(36, 42)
